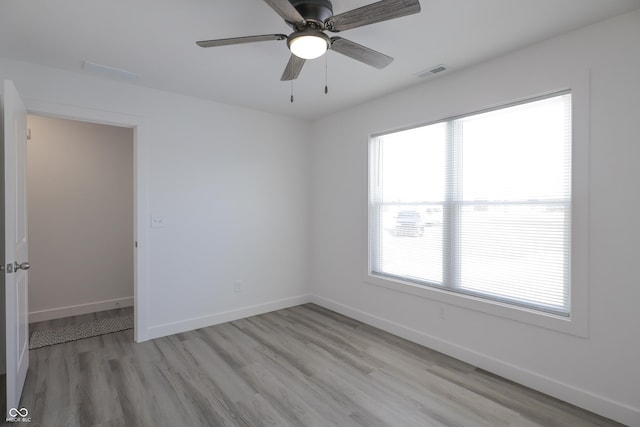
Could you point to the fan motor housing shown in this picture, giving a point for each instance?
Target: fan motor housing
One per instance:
(315, 11)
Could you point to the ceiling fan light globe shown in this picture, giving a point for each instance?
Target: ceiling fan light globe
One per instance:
(308, 46)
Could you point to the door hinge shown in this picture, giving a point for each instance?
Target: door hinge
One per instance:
(136, 243)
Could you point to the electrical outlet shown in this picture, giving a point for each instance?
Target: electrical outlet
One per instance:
(237, 286)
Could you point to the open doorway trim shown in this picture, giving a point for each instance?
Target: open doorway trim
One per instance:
(140, 222)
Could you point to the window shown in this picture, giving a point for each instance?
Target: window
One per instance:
(478, 205)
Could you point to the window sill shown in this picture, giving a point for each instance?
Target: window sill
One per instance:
(575, 324)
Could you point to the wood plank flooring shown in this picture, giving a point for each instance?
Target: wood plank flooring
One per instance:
(303, 366)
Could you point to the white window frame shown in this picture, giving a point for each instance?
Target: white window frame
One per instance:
(577, 322)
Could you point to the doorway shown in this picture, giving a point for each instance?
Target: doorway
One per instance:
(81, 217)
(14, 108)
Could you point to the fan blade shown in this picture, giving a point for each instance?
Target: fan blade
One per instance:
(372, 13)
(286, 11)
(240, 40)
(292, 71)
(360, 53)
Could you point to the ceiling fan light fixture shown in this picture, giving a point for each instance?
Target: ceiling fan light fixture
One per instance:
(308, 44)
(311, 18)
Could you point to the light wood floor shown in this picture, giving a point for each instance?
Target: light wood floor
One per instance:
(303, 366)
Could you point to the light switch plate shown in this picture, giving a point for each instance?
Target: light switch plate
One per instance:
(157, 221)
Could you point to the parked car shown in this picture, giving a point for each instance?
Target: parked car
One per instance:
(409, 223)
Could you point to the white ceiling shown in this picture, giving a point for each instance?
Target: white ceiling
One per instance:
(155, 39)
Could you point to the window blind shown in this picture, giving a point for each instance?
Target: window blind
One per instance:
(479, 204)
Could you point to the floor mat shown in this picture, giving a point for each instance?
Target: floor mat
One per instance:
(52, 336)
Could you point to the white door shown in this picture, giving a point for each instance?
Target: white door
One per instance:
(15, 263)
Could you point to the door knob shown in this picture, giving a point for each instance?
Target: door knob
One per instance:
(24, 266)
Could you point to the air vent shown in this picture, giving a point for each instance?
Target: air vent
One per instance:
(111, 72)
(431, 71)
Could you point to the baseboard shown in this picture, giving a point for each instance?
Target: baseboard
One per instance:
(225, 316)
(566, 392)
(76, 310)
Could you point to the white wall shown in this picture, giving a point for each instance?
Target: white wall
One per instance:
(80, 198)
(231, 183)
(600, 372)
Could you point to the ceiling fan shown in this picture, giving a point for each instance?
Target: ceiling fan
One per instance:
(311, 18)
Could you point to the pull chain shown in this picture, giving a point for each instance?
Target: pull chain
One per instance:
(292, 91)
(326, 73)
